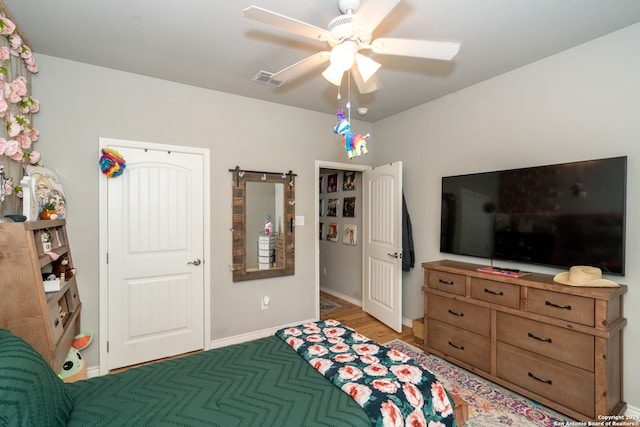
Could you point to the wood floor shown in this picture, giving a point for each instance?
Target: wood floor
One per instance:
(367, 325)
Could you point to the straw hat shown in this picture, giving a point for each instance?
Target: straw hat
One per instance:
(581, 275)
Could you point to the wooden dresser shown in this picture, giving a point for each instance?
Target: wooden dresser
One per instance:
(49, 321)
(559, 345)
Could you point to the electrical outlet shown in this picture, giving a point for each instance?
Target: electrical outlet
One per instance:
(264, 303)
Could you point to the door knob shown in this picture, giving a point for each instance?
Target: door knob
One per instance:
(195, 262)
(394, 255)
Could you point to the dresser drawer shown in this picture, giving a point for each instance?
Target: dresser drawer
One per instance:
(559, 382)
(571, 347)
(501, 293)
(448, 282)
(562, 306)
(463, 345)
(461, 314)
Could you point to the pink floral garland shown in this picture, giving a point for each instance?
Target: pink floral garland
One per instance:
(16, 103)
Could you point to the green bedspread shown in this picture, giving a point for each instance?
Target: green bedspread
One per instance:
(260, 383)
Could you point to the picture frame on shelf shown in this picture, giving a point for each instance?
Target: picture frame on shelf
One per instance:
(44, 188)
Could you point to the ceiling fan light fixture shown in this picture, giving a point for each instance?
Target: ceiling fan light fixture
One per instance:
(333, 74)
(366, 66)
(343, 55)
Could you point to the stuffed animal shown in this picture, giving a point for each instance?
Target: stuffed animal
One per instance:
(74, 367)
(61, 266)
(354, 143)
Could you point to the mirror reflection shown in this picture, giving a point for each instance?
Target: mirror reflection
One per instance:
(265, 209)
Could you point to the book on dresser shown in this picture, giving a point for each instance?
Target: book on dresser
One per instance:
(559, 345)
(49, 321)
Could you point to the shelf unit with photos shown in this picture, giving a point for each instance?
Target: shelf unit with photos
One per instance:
(49, 321)
(559, 345)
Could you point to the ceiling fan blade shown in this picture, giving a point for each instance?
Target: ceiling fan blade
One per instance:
(418, 48)
(371, 13)
(284, 22)
(301, 67)
(371, 85)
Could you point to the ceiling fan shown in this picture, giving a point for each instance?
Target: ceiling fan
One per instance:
(347, 34)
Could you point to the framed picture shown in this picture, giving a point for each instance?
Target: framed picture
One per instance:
(349, 207)
(332, 207)
(321, 210)
(332, 183)
(332, 232)
(44, 188)
(349, 234)
(321, 183)
(349, 181)
(321, 230)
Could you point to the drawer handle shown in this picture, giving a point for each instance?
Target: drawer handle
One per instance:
(565, 307)
(446, 282)
(540, 379)
(455, 313)
(489, 291)
(539, 339)
(459, 347)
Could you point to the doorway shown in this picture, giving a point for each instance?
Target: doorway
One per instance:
(154, 243)
(339, 228)
(380, 234)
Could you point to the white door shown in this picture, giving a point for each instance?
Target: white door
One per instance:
(155, 256)
(382, 223)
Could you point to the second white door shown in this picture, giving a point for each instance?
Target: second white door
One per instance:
(382, 223)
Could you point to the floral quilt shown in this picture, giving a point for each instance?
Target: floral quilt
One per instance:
(392, 388)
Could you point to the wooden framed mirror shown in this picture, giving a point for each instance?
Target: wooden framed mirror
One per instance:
(262, 250)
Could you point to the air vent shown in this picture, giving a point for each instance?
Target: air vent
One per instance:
(265, 77)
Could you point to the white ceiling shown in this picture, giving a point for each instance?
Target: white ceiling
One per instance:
(210, 44)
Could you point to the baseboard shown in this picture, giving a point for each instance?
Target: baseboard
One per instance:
(633, 412)
(347, 298)
(93, 371)
(358, 303)
(254, 335)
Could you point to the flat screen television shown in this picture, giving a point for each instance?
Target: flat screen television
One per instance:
(557, 215)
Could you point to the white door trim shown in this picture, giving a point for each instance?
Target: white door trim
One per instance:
(102, 221)
(320, 164)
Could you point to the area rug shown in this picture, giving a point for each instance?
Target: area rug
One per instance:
(328, 306)
(489, 403)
